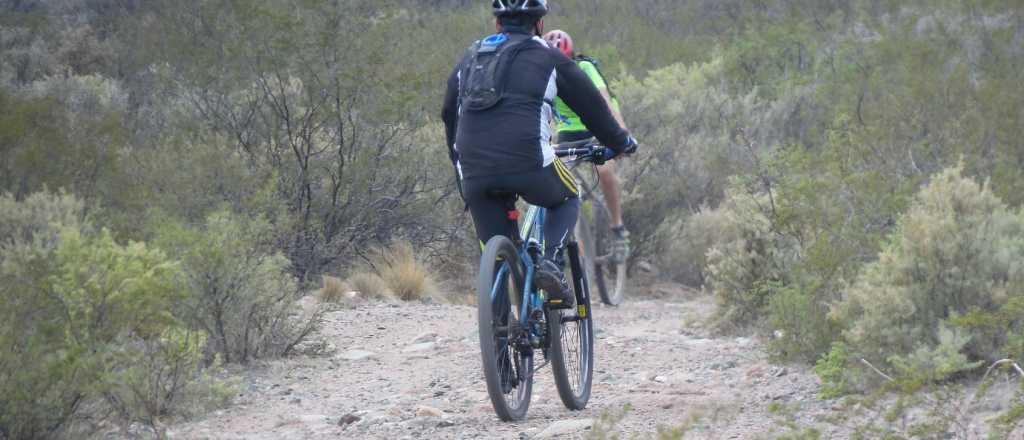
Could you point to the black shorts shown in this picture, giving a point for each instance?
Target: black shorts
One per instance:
(552, 187)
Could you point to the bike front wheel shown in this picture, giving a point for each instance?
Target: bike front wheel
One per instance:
(571, 333)
(507, 364)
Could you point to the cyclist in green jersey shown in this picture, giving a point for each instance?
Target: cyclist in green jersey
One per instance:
(570, 128)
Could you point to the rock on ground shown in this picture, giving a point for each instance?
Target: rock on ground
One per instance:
(564, 427)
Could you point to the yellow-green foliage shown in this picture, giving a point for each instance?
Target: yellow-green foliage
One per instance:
(958, 251)
(79, 311)
(744, 259)
(831, 368)
(164, 378)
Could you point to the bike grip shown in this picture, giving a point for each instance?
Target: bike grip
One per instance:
(608, 154)
(631, 146)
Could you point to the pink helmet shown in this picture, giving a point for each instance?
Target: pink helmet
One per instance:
(560, 40)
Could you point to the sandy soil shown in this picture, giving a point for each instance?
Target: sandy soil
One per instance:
(411, 370)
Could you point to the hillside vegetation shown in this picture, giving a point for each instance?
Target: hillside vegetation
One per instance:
(845, 177)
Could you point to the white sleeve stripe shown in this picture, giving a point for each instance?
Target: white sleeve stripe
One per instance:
(546, 111)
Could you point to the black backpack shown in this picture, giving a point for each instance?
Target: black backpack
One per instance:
(482, 83)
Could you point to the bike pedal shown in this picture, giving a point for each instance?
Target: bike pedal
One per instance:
(558, 304)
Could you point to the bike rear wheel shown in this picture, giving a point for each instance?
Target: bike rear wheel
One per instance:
(571, 334)
(610, 270)
(508, 369)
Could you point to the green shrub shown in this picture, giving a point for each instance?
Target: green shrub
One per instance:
(163, 377)
(951, 271)
(831, 368)
(802, 328)
(80, 311)
(38, 221)
(934, 362)
(687, 241)
(241, 294)
(746, 263)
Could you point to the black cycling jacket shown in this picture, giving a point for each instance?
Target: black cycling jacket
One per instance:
(513, 136)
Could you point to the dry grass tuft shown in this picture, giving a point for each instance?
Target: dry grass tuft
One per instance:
(392, 272)
(334, 290)
(369, 285)
(404, 273)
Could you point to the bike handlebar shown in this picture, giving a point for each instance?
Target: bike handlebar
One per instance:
(584, 150)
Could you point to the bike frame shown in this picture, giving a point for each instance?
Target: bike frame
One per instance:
(534, 221)
(536, 323)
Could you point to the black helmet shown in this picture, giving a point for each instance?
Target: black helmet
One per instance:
(533, 8)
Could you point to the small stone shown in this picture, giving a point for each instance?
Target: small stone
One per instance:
(779, 395)
(425, 337)
(780, 372)
(428, 411)
(313, 418)
(755, 371)
(563, 428)
(722, 366)
(660, 379)
(445, 424)
(425, 346)
(356, 355)
(348, 419)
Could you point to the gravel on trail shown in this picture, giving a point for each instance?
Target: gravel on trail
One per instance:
(412, 371)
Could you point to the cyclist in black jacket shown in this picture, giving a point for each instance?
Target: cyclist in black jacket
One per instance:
(507, 147)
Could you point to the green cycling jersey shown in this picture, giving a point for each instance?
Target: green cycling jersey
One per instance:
(567, 120)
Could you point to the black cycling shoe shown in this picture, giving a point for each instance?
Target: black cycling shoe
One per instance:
(551, 279)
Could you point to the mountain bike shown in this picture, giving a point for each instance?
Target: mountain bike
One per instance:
(515, 321)
(605, 262)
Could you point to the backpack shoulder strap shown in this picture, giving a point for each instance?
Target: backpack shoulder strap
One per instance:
(597, 66)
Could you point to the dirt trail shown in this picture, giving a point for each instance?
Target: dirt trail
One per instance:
(410, 371)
